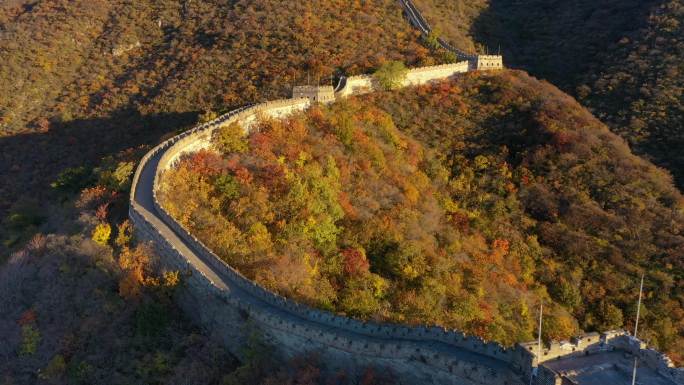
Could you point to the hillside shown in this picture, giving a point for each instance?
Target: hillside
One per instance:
(460, 204)
(80, 102)
(70, 323)
(513, 193)
(622, 59)
(452, 20)
(86, 79)
(88, 304)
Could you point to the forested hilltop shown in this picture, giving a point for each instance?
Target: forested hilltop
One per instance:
(461, 204)
(622, 59)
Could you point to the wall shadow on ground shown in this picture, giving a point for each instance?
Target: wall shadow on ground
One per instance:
(30, 162)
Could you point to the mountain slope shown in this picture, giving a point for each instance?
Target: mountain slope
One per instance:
(599, 213)
(515, 193)
(620, 58)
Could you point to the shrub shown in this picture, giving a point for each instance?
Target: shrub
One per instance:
(207, 116)
(151, 319)
(30, 338)
(231, 138)
(72, 179)
(391, 75)
(355, 262)
(102, 233)
(115, 176)
(55, 368)
(124, 234)
(227, 186)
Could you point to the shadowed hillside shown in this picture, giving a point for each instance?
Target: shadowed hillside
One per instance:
(620, 58)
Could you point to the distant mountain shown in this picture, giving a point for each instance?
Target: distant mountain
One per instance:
(621, 58)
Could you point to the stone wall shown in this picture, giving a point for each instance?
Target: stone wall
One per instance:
(526, 353)
(424, 75)
(649, 357)
(223, 301)
(322, 94)
(546, 376)
(357, 85)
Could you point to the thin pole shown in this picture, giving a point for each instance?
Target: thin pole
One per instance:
(539, 348)
(634, 372)
(641, 289)
(636, 326)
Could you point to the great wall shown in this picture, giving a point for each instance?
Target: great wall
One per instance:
(231, 307)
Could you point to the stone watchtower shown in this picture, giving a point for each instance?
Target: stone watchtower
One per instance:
(322, 94)
(488, 62)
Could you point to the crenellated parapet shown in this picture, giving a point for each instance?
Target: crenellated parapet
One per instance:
(321, 94)
(361, 84)
(602, 346)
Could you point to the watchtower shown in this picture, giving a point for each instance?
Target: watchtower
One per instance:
(322, 94)
(488, 62)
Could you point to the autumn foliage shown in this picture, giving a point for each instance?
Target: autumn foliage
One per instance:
(462, 204)
(340, 209)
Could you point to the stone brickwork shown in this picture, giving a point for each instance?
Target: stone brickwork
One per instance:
(357, 85)
(488, 62)
(429, 74)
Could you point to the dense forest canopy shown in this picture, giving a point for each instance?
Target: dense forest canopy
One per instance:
(462, 204)
(620, 58)
(97, 57)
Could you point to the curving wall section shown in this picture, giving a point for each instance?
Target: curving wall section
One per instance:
(231, 306)
(418, 21)
(477, 62)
